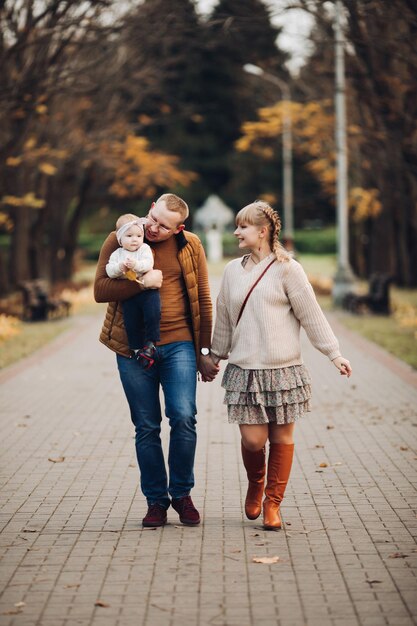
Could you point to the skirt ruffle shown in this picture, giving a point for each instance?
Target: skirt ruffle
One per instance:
(262, 396)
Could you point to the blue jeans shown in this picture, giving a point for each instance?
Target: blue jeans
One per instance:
(175, 369)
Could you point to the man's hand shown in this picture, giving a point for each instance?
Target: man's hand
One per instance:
(208, 369)
(152, 279)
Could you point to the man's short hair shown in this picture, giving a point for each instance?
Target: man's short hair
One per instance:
(176, 204)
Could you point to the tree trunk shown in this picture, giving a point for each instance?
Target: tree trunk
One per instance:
(20, 268)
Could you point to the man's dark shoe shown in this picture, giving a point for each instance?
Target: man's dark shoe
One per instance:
(146, 356)
(186, 510)
(156, 516)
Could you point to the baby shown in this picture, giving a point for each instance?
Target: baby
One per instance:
(141, 312)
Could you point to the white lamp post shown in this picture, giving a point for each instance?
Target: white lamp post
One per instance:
(343, 279)
(286, 149)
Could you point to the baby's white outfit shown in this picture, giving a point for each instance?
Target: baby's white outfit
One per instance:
(143, 261)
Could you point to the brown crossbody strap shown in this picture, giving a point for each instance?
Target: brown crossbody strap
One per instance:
(251, 289)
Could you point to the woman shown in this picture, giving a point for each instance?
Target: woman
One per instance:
(267, 386)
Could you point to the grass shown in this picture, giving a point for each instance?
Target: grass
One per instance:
(31, 336)
(396, 333)
(387, 333)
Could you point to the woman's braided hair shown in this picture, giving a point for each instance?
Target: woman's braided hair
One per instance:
(260, 213)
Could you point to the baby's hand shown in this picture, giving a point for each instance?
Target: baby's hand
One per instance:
(130, 263)
(343, 366)
(122, 267)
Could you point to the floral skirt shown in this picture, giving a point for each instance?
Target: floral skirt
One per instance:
(279, 396)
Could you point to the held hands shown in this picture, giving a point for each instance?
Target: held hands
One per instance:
(208, 369)
(343, 366)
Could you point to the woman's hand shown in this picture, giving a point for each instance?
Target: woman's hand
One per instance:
(208, 369)
(343, 366)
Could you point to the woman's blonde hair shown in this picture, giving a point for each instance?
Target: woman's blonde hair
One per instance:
(260, 213)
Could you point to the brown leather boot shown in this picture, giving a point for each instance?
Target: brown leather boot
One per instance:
(279, 469)
(254, 463)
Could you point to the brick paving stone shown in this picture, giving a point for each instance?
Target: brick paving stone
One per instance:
(71, 533)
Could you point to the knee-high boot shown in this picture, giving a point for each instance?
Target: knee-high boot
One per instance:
(279, 469)
(254, 463)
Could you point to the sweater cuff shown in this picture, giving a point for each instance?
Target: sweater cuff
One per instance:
(333, 355)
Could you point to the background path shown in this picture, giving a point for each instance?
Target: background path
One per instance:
(73, 550)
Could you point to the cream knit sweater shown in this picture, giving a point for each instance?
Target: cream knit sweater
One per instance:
(268, 333)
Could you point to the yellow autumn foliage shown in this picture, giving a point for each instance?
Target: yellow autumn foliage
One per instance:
(14, 161)
(139, 170)
(6, 223)
(41, 109)
(79, 298)
(9, 327)
(364, 203)
(48, 169)
(312, 132)
(28, 200)
(406, 316)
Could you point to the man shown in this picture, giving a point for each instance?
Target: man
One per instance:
(180, 272)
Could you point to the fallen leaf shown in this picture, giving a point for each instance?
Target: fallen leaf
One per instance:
(324, 464)
(319, 445)
(404, 448)
(373, 582)
(337, 463)
(148, 528)
(102, 604)
(398, 555)
(132, 464)
(288, 523)
(12, 612)
(20, 605)
(329, 427)
(267, 560)
(72, 586)
(30, 530)
(59, 459)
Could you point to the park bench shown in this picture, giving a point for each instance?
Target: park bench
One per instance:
(377, 300)
(39, 304)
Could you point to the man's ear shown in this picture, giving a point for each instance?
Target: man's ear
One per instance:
(179, 229)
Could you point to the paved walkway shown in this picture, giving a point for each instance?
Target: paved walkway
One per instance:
(74, 553)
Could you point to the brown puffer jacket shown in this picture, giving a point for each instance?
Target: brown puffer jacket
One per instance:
(193, 263)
